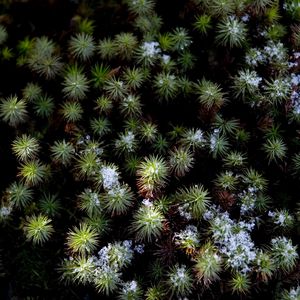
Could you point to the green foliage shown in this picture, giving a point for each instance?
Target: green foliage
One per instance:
(19, 195)
(3, 34)
(155, 293)
(107, 48)
(296, 163)
(131, 106)
(130, 291)
(43, 59)
(100, 73)
(292, 293)
(180, 39)
(254, 179)
(152, 175)
(141, 7)
(38, 229)
(166, 86)
(235, 159)
(86, 164)
(86, 26)
(115, 88)
(227, 181)
(50, 205)
(71, 111)
(246, 84)
(44, 106)
(126, 143)
(82, 46)
(180, 281)
(196, 198)
(104, 104)
(31, 92)
(118, 200)
(62, 152)
(33, 172)
(240, 283)
(224, 126)
(218, 144)
(113, 113)
(147, 223)
(125, 45)
(283, 253)
(209, 94)
(148, 132)
(231, 32)
(275, 149)
(13, 111)
(208, 264)
(107, 282)
(82, 239)
(265, 265)
(278, 90)
(181, 161)
(76, 84)
(100, 126)
(134, 77)
(25, 147)
(203, 24)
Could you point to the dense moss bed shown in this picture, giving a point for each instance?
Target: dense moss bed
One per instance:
(150, 149)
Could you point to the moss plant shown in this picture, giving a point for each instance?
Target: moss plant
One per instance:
(44, 106)
(43, 58)
(208, 264)
(152, 175)
(148, 132)
(32, 172)
(203, 24)
(107, 48)
(25, 147)
(104, 104)
(62, 152)
(147, 223)
(82, 46)
(3, 34)
(50, 205)
(82, 239)
(118, 200)
(131, 106)
(275, 149)
(100, 126)
(32, 91)
(125, 44)
(100, 73)
(13, 111)
(196, 198)
(181, 161)
(134, 77)
(38, 229)
(231, 32)
(76, 85)
(149, 149)
(19, 195)
(166, 86)
(141, 7)
(86, 165)
(180, 281)
(115, 88)
(209, 94)
(240, 283)
(71, 111)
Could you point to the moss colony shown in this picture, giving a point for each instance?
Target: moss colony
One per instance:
(150, 150)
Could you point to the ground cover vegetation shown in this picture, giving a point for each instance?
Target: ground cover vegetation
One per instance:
(150, 149)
